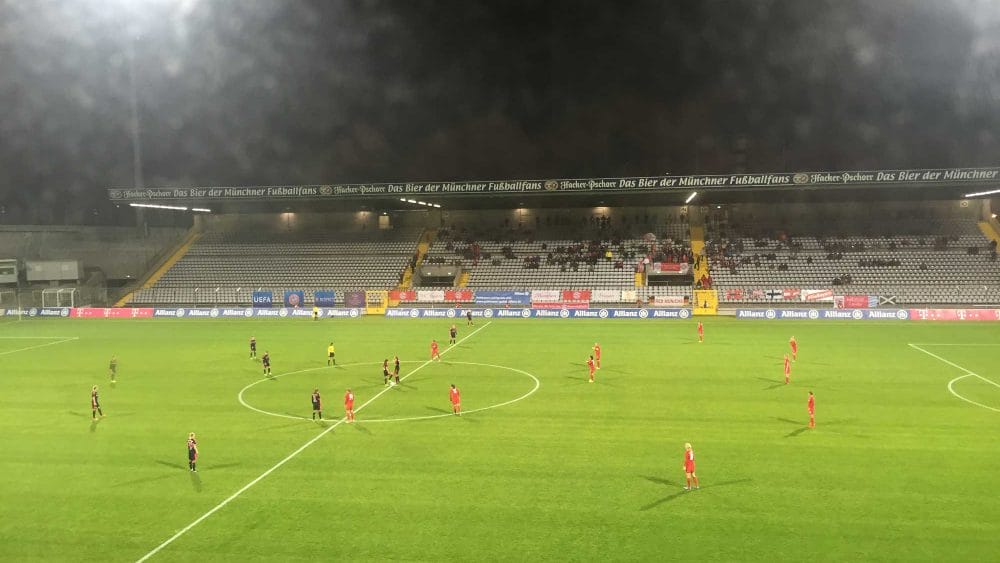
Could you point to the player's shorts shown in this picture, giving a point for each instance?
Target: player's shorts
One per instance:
(192, 455)
(94, 405)
(330, 355)
(253, 347)
(458, 404)
(349, 407)
(395, 371)
(688, 468)
(317, 407)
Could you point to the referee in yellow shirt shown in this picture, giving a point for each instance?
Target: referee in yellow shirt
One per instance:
(330, 355)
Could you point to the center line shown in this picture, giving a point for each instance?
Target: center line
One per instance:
(242, 490)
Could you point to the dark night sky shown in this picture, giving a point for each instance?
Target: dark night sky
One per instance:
(272, 92)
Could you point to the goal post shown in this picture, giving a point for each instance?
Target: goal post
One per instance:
(60, 297)
(10, 305)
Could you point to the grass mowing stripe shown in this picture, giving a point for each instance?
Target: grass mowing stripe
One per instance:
(289, 457)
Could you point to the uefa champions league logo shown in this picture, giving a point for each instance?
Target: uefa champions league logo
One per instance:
(684, 314)
(526, 313)
(770, 314)
(603, 313)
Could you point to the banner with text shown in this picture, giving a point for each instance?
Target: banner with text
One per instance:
(503, 297)
(643, 184)
(262, 299)
(325, 298)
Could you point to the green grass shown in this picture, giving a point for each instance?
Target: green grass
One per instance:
(898, 468)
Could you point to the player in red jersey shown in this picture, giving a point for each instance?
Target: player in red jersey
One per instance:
(317, 403)
(456, 400)
(811, 407)
(597, 354)
(788, 369)
(590, 366)
(701, 332)
(435, 354)
(192, 445)
(689, 468)
(349, 406)
(95, 404)
(795, 348)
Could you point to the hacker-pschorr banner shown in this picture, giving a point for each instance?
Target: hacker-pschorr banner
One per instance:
(635, 184)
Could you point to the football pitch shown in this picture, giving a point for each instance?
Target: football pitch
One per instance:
(904, 463)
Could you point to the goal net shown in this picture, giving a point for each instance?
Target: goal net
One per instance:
(60, 297)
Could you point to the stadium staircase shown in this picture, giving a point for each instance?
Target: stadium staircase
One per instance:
(423, 245)
(991, 229)
(168, 262)
(697, 226)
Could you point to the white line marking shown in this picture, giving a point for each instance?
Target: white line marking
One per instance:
(968, 373)
(954, 344)
(40, 345)
(406, 419)
(243, 489)
(37, 337)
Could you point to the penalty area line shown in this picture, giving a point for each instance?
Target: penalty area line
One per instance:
(968, 373)
(289, 457)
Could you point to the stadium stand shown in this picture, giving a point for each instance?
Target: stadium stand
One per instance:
(226, 267)
(932, 259)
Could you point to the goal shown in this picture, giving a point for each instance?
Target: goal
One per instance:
(60, 297)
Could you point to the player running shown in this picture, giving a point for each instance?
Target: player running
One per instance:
(788, 369)
(597, 354)
(689, 468)
(456, 400)
(265, 361)
(385, 371)
(590, 366)
(811, 407)
(192, 445)
(701, 332)
(317, 403)
(253, 347)
(331, 355)
(395, 368)
(795, 348)
(95, 404)
(452, 334)
(435, 353)
(113, 368)
(349, 406)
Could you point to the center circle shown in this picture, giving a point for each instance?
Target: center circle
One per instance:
(530, 392)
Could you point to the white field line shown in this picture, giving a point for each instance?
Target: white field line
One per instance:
(288, 458)
(66, 339)
(951, 383)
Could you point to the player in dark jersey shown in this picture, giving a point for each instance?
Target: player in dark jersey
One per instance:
(95, 404)
(468, 317)
(265, 361)
(253, 347)
(113, 368)
(385, 371)
(317, 404)
(192, 445)
(452, 334)
(395, 368)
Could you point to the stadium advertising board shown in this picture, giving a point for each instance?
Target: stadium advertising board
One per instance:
(459, 295)
(262, 299)
(671, 300)
(669, 268)
(816, 295)
(502, 297)
(295, 298)
(541, 313)
(634, 184)
(856, 301)
(325, 298)
(403, 296)
(817, 314)
(955, 314)
(355, 299)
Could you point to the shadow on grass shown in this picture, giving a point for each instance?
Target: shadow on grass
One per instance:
(170, 464)
(80, 414)
(93, 425)
(788, 420)
(361, 428)
(145, 480)
(683, 492)
(796, 432)
(439, 410)
(196, 481)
